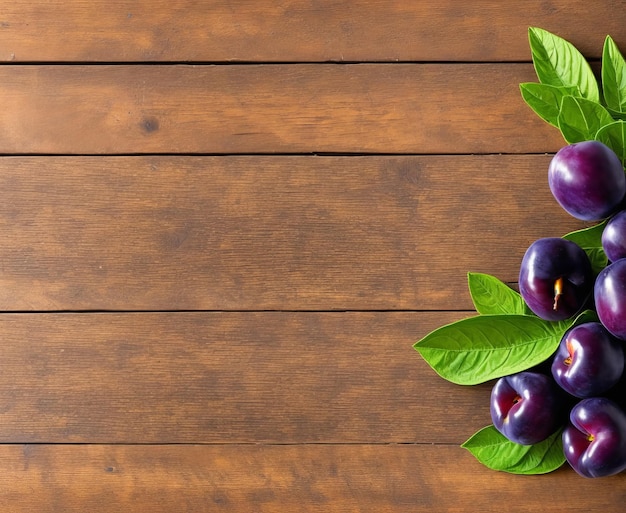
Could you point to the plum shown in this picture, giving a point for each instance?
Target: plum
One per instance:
(555, 278)
(610, 298)
(587, 179)
(594, 442)
(589, 360)
(526, 407)
(614, 237)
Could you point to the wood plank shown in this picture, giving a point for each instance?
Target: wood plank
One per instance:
(229, 377)
(403, 108)
(267, 479)
(266, 233)
(294, 30)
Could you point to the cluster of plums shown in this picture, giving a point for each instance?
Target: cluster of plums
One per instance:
(583, 387)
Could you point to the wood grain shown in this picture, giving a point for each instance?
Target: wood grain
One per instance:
(229, 378)
(295, 30)
(225, 223)
(404, 108)
(266, 233)
(274, 479)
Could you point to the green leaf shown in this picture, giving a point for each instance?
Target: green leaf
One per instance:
(598, 259)
(496, 452)
(613, 77)
(614, 136)
(590, 239)
(585, 316)
(484, 347)
(545, 100)
(558, 63)
(492, 296)
(486, 445)
(580, 119)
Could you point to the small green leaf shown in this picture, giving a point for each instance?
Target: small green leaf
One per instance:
(492, 296)
(486, 443)
(614, 136)
(587, 237)
(484, 347)
(545, 100)
(557, 62)
(590, 239)
(585, 316)
(580, 119)
(496, 452)
(613, 77)
(598, 259)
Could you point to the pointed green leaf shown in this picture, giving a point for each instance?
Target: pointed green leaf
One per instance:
(585, 316)
(614, 136)
(496, 452)
(545, 100)
(580, 119)
(492, 296)
(486, 443)
(558, 63)
(590, 239)
(587, 237)
(613, 77)
(477, 349)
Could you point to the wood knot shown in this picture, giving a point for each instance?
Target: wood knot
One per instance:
(150, 125)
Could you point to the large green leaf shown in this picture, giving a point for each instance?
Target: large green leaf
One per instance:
(613, 77)
(545, 100)
(580, 119)
(614, 136)
(496, 452)
(484, 347)
(492, 296)
(558, 63)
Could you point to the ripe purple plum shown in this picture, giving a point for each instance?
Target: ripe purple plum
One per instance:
(526, 407)
(589, 360)
(614, 237)
(610, 298)
(594, 441)
(587, 179)
(555, 278)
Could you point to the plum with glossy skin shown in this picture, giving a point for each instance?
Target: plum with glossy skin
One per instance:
(610, 298)
(594, 442)
(555, 278)
(526, 407)
(614, 237)
(587, 179)
(589, 360)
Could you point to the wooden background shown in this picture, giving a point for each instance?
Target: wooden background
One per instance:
(224, 224)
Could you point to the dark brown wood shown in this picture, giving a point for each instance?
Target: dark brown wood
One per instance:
(404, 108)
(274, 479)
(295, 30)
(223, 318)
(229, 377)
(295, 233)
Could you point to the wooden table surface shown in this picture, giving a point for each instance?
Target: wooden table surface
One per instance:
(225, 223)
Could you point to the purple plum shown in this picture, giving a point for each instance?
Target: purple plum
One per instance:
(587, 179)
(589, 360)
(555, 278)
(526, 407)
(614, 237)
(610, 298)
(594, 442)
